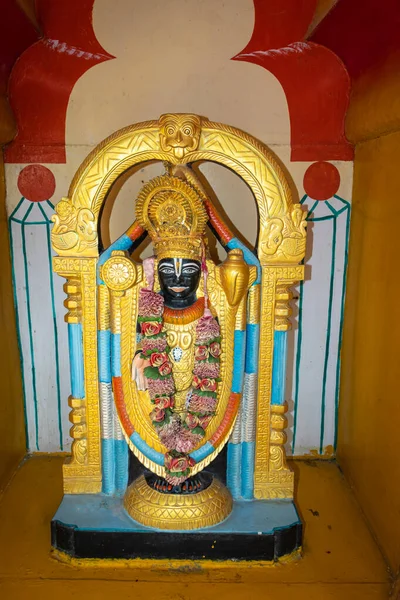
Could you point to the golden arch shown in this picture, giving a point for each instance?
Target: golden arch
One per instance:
(142, 142)
(179, 139)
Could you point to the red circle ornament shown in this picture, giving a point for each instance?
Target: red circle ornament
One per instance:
(321, 180)
(36, 183)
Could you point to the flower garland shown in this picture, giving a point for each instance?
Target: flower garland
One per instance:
(180, 434)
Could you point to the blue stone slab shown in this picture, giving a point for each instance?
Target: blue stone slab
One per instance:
(105, 513)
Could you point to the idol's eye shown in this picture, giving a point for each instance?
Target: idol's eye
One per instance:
(171, 130)
(167, 270)
(189, 270)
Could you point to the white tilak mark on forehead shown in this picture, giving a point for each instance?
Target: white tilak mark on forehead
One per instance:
(178, 266)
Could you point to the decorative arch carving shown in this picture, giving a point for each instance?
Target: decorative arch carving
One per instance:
(76, 219)
(178, 139)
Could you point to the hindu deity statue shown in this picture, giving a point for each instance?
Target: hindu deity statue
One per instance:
(176, 359)
(178, 363)
(183, 310)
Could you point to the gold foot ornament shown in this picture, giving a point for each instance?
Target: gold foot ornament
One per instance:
(177, 511)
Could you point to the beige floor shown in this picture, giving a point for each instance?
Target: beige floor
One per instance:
(340, 559)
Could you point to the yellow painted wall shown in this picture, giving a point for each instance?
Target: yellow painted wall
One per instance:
(12, 428)
(369, 413)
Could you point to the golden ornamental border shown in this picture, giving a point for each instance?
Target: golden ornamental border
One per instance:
(139, 143)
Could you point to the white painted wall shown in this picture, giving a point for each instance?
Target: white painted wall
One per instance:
(175, 57)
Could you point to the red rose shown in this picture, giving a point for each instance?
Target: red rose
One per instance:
(176, 464)
(215, 349)
(191, 421)
(196, 382)
(208, 385)
(151, 328)
(165, 369)
(164, 402)
(205, 421)
(201, 352)
(158, 358)
(157, 415)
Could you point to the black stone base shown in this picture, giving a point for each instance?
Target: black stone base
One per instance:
(174, 545)
(155, 544)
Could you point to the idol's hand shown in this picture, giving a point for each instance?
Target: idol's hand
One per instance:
(138, 366)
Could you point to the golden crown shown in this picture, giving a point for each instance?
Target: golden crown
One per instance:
(174, 216)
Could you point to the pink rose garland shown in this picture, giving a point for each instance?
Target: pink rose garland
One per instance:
(179, 434)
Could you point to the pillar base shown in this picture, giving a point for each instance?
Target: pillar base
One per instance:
(97, 526)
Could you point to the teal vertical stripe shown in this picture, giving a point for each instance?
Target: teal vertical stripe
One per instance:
(28, 308)
(21, 354)
(233, 472)
(239, 354)
(108, 466)
(121, 466)
(76, 360)
(104, 355)
(55, 330)
(247, 469)
(338, 364)
(328, 335)
(279, 367)
(116, 354)
(252, 347)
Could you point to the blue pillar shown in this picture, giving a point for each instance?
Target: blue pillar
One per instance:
(279, 368)
(75, 342)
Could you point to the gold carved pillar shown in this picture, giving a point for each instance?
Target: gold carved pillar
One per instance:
(82, 471)
(272, 477)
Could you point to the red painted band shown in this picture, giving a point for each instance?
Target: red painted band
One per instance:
(217, 223)
(120, 404)
(135, 231)
(226, 423)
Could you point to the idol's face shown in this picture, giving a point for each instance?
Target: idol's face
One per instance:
(179, 279)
